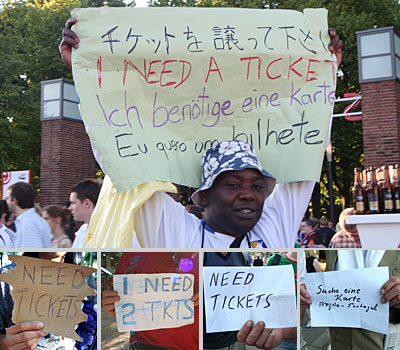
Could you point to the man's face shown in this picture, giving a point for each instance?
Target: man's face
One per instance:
(78, 208)
(234, 203)
(304, 228)
(10, 202)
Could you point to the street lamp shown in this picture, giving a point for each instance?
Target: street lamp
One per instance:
(59, 100)
(378, 54)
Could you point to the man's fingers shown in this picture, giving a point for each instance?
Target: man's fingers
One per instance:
(69, 38)
(255, 333)
(25, 326)
(389, 284)
(70, 22)
(262, 339)
(23, 339)
(244, 331)
(274, 339)
(195, 299)
(335, 46)
(305, 297)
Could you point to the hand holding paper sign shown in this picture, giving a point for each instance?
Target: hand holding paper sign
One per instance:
(349, 298)
(152, 301)
(261, 337)
(49, 292)
(22, 336)
(391, 292)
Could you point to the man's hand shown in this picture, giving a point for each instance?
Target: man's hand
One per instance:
(69, 40)
(109, 298)
(335, 46)
(195, 299)
(305, 298)
(23, 336)
(261, 337)
(391, 292)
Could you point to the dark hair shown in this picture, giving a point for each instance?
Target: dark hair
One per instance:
(24, 193)
(4, 209)
(89, 189)
(308, 222)
(55, 211)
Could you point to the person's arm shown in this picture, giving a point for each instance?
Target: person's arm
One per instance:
(163, 222)
(259, 336)
(22, 336)
(69, 40)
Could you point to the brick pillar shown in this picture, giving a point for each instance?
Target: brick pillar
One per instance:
(66, 159)
(381, 122)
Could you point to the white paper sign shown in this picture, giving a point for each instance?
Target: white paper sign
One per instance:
(349, 298)
(154, 301)
(234, 295)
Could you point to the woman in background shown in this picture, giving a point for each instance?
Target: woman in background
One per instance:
(57, 220)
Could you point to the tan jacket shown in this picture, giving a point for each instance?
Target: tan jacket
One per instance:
(356, 338)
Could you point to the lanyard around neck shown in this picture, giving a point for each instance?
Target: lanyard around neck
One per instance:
(203, 224)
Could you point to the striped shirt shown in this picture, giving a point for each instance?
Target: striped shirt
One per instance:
(32, 231)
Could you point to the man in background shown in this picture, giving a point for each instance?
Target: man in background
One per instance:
(324, 233)
(32, 231)
(83, 200)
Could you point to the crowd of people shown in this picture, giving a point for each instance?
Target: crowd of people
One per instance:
(323, 233)
(23, 224)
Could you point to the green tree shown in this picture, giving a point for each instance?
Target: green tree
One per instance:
(30, 32)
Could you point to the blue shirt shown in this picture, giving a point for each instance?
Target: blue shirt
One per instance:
(32, 231)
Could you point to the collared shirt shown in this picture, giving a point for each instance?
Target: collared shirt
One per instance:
(343, 239)
(7, 237)
(32, 231)
(80, 236)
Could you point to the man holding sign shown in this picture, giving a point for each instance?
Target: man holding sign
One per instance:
(248, 214)
(354, 304)
(155, 296)
(41, 305)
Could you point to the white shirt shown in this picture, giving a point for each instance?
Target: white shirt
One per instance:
(7, 237)
(32, 231)
(164, 223)
(80, 236)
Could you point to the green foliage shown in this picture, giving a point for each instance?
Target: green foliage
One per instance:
(29, 38)
(30, 32)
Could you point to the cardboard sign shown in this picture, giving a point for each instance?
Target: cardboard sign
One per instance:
(153, 301)
(159, 86)
(49, 292)
(349, 298)
(234, 295)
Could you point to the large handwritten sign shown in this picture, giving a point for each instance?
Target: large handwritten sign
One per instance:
(153, 301)
(49, 292)
(234, 295)
(159, 86)
(349, 298)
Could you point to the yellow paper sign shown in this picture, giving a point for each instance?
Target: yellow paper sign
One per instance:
(49, 292)
(159, 86)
